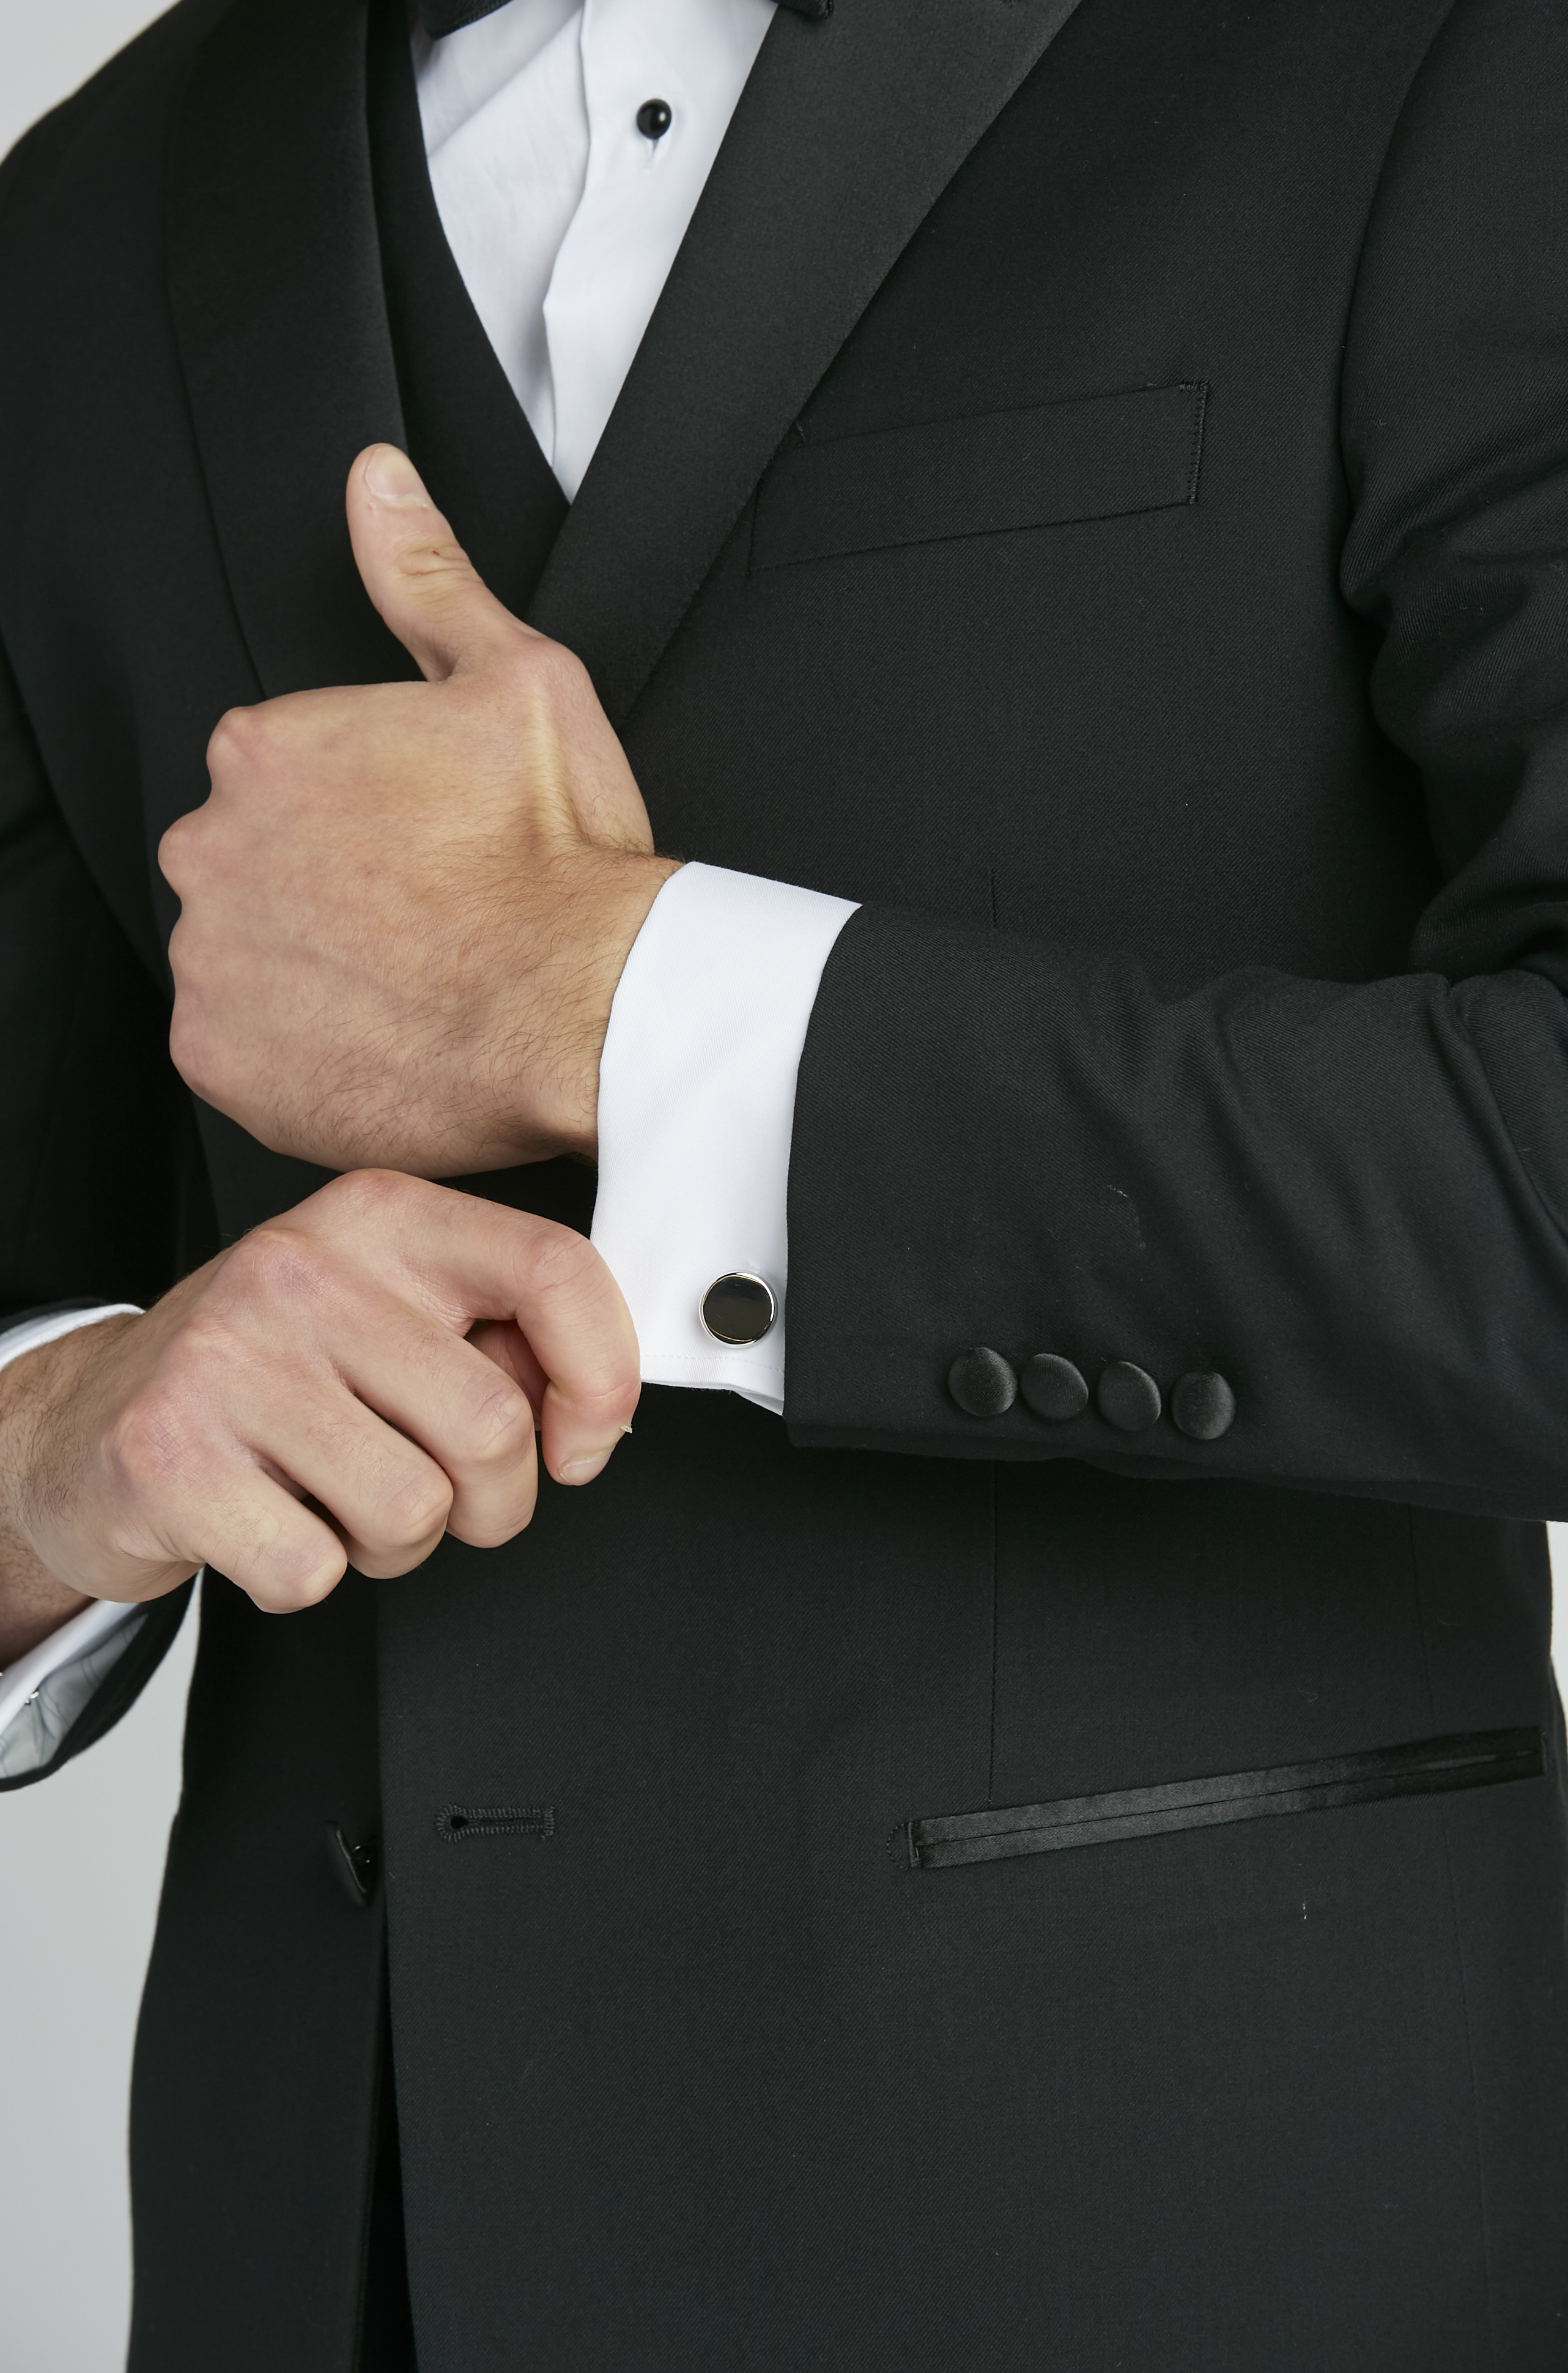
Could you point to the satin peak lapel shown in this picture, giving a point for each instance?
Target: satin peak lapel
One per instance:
(274, 279)
(846, 135)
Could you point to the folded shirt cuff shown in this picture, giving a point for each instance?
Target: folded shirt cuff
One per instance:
(696, 1104)
(43, 1693)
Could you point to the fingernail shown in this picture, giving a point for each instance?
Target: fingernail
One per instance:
(584, 1469)
(393, 478)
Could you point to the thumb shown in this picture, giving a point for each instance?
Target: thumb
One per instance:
(418, 573)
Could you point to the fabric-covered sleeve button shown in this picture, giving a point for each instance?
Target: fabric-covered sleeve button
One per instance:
(1203, 1405)
(1053, 1387)
(739, 1308)
(1129, 1397)
(982, 1383)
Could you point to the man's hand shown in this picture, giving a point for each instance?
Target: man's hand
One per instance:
(406, 907)
(340, 1388)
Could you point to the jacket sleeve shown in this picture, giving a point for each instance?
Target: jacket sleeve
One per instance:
(1349, 1201)
(102, 1194)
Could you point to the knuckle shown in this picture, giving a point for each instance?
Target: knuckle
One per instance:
(614, 1398)
(192, 856)
(501, 1427)
(275, 1264)
(299, 1582)
(148, 1444)
(489, 1528)
(176, 851)
(236, 741)
(205, 1350)
(556, 671)
(556, 1259)
(415, 1508)
(494, 1532)
(373, 1198)
(187, 1044)
(196, 1051)
(435, 562)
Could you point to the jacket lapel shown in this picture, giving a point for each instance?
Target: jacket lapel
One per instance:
(846, 135)
(848, 130)
(274, 282)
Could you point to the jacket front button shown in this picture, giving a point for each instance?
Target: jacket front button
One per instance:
(982, 1383)
(353, 1866)
(1203, 1406)
(1129, 1397)
(1053, 1387)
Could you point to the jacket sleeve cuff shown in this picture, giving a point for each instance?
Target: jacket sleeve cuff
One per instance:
(696, 1100)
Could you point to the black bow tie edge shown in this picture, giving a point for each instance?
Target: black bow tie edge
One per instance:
(440, 17)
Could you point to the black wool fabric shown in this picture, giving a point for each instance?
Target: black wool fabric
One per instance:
(1093, 491)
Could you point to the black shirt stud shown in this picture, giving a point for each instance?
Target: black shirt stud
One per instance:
(1202, 1407)
(739, 1308)
(653, 118)
(982, 1383)
(1129, 1397)
(1053, 1387)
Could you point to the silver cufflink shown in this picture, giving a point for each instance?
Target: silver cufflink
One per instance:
(739, 1308)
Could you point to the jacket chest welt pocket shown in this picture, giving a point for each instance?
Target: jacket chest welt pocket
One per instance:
(1042, 465)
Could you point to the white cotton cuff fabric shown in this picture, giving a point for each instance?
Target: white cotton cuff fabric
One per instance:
(696, 1104)
(43, 1692)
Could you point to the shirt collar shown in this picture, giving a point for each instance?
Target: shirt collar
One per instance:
(440, 17)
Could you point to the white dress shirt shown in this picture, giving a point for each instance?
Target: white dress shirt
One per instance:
(564, 218)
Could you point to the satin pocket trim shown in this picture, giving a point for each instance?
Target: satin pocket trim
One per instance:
(1427, 1767)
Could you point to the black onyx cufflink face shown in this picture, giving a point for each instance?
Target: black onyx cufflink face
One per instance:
(739, 1308)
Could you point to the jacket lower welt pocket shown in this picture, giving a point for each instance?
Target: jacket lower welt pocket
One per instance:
(1423, 1767)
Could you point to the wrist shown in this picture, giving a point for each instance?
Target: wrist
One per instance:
(34, 1390)
(618, 899)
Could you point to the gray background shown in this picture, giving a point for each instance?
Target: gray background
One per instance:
(80, 1858)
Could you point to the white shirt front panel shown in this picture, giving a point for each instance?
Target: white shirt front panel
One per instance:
(564, 218)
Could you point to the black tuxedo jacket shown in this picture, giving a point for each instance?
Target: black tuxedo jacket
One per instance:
(1095, 490)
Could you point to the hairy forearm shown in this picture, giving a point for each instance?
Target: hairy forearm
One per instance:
(33, 1601)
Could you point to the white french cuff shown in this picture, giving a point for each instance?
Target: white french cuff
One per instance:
(696, 1106)
(43, 1692)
